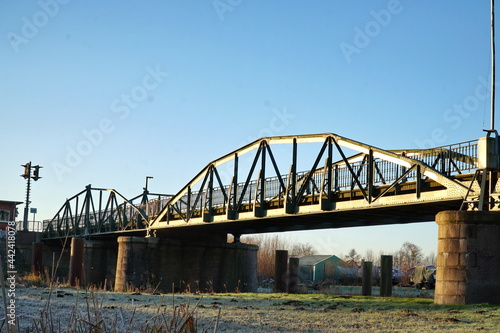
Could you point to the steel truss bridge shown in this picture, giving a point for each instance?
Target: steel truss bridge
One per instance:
(259, 188)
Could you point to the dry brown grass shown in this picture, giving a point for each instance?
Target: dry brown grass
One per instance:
(244, 312)
(91, 314)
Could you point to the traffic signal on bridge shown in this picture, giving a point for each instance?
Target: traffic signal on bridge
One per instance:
(27, 170)
(36, 173)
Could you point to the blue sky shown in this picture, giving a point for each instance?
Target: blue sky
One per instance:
(107, 93)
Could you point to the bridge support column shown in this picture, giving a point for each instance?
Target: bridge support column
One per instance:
(131, 263)
(99, 263)
(192, 265)
(468, 266)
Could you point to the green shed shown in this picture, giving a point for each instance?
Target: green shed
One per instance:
(319, 267)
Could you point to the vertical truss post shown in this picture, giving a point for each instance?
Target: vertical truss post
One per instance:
(324, 195)
(483, 194)
(88, 199)
(112, 224)
(329, 170)
(336, 185)
(443, 162)
(76, 220)
(370, 172)
(99, 219)
(260, 197)
(419, 182)
(232, 213)
(263, 177)
(258, 205)
(188, 201)
(208, 211)
(290, 205)
(450, 162)
(328, 178)
(493, 183)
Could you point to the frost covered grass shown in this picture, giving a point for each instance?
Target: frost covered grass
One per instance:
(244, 312)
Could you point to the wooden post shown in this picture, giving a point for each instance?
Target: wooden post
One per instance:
(293, 275)
(386, 276)
(366, 289)
(280, 271)
(76, 261)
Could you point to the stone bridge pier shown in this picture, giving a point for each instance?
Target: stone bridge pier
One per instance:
(161, 264)
(468, 266)
(186, 265)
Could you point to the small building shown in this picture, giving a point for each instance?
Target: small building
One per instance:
(8, 212)
(318, 268)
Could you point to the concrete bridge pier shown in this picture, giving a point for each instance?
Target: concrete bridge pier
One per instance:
(132, 263)
(82, 262)
(468, 266)
(185, 264)
(99, 262)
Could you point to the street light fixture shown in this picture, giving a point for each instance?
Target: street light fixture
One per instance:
(147, 178)
(145, 195)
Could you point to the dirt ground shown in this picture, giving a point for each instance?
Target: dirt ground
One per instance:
(250, 312)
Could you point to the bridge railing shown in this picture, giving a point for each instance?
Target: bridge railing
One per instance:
(450, 160)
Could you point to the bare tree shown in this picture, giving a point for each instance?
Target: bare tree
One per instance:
(369, 256)
(303, 249)
(431, 259)
(267, 251)
(408, 257)
(353, 256)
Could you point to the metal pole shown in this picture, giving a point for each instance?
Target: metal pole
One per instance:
(26, 207)
(145, 196)
(280, 270)
(386, 276)
(366, 288)
(492, 119)
(147, 178)
(293, 275)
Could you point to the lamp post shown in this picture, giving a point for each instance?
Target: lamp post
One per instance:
(145, 196)
(147, 178)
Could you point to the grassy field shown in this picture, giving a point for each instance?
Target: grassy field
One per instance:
(259, 312)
